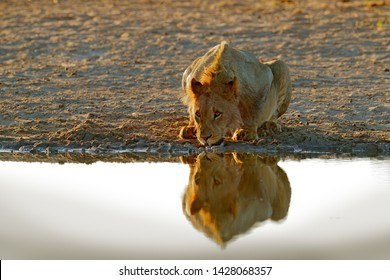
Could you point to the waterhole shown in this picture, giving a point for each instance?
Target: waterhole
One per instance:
(207, 206)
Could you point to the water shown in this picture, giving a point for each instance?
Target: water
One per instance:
(212, 207)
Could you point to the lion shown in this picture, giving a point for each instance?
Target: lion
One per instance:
(229, 193)
(230, 93)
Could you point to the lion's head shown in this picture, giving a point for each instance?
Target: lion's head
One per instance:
(212, 89)
(214, 111)
(210, 201)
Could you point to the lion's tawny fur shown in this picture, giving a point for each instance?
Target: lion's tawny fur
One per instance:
(230, 92)
(229, 193)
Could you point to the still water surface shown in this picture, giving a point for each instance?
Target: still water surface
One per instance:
(210, 207)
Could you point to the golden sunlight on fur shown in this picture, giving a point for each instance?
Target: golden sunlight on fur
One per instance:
(227, 194)
(230, 92)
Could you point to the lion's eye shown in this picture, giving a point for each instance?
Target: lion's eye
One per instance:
(197, 114)
(217, 114)
(217, 181)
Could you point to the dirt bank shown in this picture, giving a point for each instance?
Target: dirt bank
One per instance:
(106, 75)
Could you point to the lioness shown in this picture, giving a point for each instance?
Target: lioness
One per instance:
(229, 193)
(229, 92)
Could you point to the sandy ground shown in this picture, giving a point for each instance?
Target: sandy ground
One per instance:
(106, 75)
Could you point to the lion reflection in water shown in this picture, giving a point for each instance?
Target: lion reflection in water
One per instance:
(228, 193)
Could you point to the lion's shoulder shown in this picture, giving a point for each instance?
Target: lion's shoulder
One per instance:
(221, 64)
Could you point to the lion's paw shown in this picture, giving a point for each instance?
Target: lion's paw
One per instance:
(244, 135)
(188, 132)
(270, 128)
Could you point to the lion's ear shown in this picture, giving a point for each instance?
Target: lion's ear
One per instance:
(197, 88)
(232, 86)
(196, 205)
